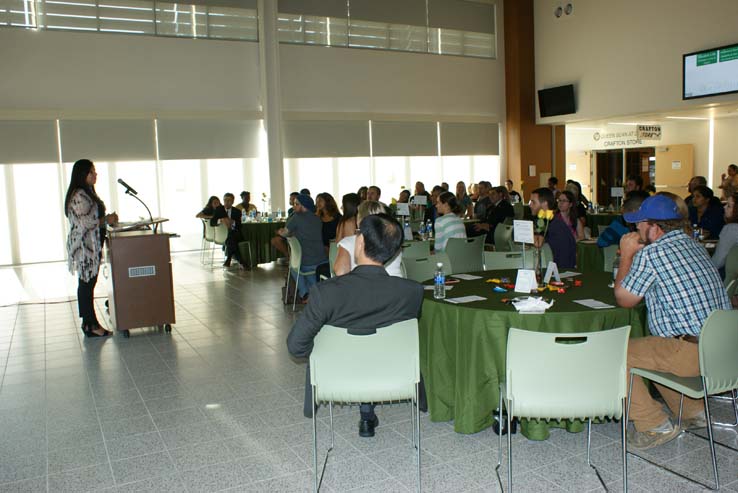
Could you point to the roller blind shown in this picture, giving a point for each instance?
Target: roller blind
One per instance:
(236, 4)
(107, 140)
(461, 15)
(404, 138)
(410, 12)
(312, 138)
(470, 139)
(325, 8)
(28, 142)
(208, 139)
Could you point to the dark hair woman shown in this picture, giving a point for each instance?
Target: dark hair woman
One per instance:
(448, 225)
(87, 220)
(728, 235)
(347, 225)
(209, 209)
(327, 211)
(567, 212)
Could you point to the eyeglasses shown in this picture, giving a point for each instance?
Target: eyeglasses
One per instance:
(562, 201)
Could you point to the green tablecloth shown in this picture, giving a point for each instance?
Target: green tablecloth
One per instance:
(260, 236)
(590, 257)
(604, 219)
(463, 347)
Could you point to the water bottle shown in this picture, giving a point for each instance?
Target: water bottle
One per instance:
(279, 213)
(243, 216)
(430, 230)
(439, 280)
(615, 266)
(695, 232)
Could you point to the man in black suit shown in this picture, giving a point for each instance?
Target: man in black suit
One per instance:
(499, 211)
(365, 299)
(231, 217)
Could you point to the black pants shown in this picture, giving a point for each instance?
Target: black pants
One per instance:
(231, 246)
(85, 301)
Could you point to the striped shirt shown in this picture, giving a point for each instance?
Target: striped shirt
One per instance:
(680, 285)
(448, 226)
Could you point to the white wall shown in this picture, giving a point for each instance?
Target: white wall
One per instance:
(625, 56)
(726, 147)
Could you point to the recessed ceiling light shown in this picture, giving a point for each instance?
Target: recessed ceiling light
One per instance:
(686, 118)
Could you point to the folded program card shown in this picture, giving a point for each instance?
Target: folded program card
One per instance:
(466, 277)
(465, 299)
(590, 303)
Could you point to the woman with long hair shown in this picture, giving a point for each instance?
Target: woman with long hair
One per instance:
(87, 220)
(464, 200)
(728, 235)
(208, 211)
(567, 212)
(448, 224)
(327, 211)
(347, 226)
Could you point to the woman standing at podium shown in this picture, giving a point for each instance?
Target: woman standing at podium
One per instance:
(87, 220)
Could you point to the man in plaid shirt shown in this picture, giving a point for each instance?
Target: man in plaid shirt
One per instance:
(681, 287)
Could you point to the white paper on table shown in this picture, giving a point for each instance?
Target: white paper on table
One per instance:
(525, 281)
(566, 275)
(533, 304)
(419, 200)
(523, 232)
(465, 299)
(590, 303)
(466, 277)
(403, 209)
(430, 288)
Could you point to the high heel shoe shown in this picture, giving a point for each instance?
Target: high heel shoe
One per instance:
(91, 332)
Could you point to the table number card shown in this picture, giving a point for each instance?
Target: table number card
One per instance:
(523, 232)
(419, 200)
(403, 209)
(526, 281)
(551, 270)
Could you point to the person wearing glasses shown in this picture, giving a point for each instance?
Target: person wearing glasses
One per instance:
(567, 212)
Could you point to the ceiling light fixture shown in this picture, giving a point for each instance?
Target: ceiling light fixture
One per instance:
(686, 118)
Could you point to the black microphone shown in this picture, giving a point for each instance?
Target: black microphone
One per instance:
(129, 189)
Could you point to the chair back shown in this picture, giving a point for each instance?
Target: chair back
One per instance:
(519, 210)
(332, 254)
(575, 375)
(209, 230)
(508, 260)
(609, 253)
(420, 269)
(465, 254)
(503, 238)
(220, 234)
(415, 249)
(731, 265)
(295, 253)
(718, 344)
(380, 367)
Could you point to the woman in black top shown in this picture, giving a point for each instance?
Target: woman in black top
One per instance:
(327, 211)
(209, 209)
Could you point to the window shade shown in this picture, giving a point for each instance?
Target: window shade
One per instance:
(236, 4)
(312, 138)
(208, 139)
(107, 140)
(410, 12)
(404, 138)
(461, 15)
(325, 8)
(470, 139)
(28, 142)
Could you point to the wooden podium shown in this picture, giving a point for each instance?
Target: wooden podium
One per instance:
(139, 278)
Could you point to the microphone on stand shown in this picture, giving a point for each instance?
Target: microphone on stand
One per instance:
(129, 189)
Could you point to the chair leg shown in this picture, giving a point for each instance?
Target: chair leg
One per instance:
(734, 400)
(509, 450)
(681, 407)
(623, 445)
(709, 434)
(589, 441)
(297, 283)
(417, 430)
(315, 444)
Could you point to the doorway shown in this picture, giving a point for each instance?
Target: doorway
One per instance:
(613, 166)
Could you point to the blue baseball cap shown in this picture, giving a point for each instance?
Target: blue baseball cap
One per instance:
(306, 202)
(654, 208)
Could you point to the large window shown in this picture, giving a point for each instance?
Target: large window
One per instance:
(181, 199)
(6, 255)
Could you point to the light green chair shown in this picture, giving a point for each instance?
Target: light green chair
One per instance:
(560, 376)
(465, 254)
(419, 269)
(332, 254)
(208, 239)
(295, 264)
(338, 373)
(731, 265)
(609, 253)
(415, 249)
(508, 260)
(718, 373)
(519, 210)
(220, 235)
(503, 238)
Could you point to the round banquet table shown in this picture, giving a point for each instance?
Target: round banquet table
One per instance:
(463, 346)
(260, 236)
(600, 219)
(590, 257)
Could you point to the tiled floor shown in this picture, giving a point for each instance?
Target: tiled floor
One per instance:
(216, 405)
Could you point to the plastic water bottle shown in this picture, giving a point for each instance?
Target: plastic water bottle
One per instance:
(615, 266)
(695, 232)
(243, 216)
(439, 282)
(279, 213)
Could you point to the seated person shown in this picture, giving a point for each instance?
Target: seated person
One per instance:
(431, 211)
(465, 202)
(559, 237)
(728, 235)
(673, 274)
(448, 224)
(308, 229)
(327, 211)
(209, 209)
(617, 228)
(293, 197)
(567, 212)
(229, 216)
(633, 183)
(246, 204)
(484, 201)
(695, 182)
(348, 224)
(279, 243)
(361, 301)
(404, 197)
(514, 196)
(580, 203)
(500, 209)
(345, 259)
(706, 212)
(373, 193)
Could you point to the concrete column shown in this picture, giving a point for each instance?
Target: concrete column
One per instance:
(271, 98)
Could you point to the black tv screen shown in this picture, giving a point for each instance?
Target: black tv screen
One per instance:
(556, 101)
(710, 72)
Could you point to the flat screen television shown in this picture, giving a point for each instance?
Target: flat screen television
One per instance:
(710, 72)
(556, 101)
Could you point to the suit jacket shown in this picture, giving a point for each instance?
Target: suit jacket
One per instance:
(496, 214)
(220, 213)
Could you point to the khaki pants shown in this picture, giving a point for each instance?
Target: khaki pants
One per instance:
(661, 354)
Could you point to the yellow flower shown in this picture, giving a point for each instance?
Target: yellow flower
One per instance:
(549, 215)
(541, 214)
(394, 201)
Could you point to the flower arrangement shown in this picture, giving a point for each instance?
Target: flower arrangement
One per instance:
(542, 220)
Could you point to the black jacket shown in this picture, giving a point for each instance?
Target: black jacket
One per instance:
(220, 213)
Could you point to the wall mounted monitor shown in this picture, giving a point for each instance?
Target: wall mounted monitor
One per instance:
(710, 72)
(556, 101)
